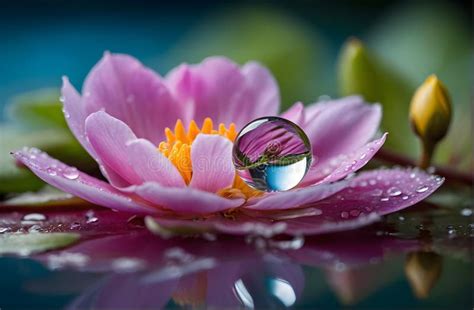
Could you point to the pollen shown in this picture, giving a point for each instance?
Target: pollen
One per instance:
(177, 148)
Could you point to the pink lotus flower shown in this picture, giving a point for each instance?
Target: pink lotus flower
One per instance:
(122, 120)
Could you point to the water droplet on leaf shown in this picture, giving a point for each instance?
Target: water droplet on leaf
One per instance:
(272, 154)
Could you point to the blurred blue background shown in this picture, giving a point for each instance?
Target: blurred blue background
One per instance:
(43, 40)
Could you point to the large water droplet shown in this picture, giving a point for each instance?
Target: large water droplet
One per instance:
(272, 154)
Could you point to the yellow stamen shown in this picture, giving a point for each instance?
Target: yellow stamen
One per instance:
(177, 148)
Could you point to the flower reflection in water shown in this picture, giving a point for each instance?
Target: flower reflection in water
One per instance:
(120, 264)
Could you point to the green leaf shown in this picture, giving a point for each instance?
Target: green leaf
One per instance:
(39, 108)
(362, 72)
(445, 50)
(46, 197)
(289, 48)
(27, 244)
(58, 143)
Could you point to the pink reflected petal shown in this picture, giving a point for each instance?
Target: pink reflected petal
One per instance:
(109, 136)
(341, 166)
(219, 89)
(72, 181)
(267, 227)
(136, 95)
(151, 165)
(341, 127)
(211, 157)
(185, 200)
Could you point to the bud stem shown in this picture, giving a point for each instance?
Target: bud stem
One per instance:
(426, 154)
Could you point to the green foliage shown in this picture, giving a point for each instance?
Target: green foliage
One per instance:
(285, 45)
(361, 72)
(40, 108)
(412, 43)
(57, 142)
(27, 244)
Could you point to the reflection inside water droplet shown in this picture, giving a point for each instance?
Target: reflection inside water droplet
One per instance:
(272, 154)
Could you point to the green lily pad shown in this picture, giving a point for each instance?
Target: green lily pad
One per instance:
(39, 108)
(27, 244)
(57, 142)
(46, 197)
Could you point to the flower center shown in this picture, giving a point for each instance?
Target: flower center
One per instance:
(177, 148)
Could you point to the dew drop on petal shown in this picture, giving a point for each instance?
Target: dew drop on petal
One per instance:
(71, 173)
(344, 214)
(354, 213)
(393, 191)
(90, 217)
(51, 171)
(422, 189)
(377, 192)
(272, 154)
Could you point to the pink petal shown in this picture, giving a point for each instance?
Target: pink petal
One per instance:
(358, 205)
(295, 198)
(385, 191)
(262, 89)
(108, 137)
(136, 95)
(341, 166)
(342, 127)
(296, 114)
(186, 200)
(70, 180)
(219, 89)
(211, 157)
(75, 114)
(313, 110)
(151, 165)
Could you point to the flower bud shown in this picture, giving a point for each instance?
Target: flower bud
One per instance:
(430, 116)
(430, 110)
(423, 270)
(356, 71)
